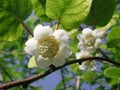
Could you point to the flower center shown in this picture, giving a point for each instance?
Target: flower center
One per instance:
(89, 40)
(48, 47)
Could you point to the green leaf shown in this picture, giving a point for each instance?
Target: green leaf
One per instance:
(32, 62)
(39, 9)
(88, 76)
(115, 81)
(71, 13)
(12, 12)
(101, 12)
(74, 43)
(114, 37)
(112, 72)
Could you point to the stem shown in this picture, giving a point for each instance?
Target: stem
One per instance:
(63, 79)
(78, 83)
(26, 28)
(45, 73)
(58, 24)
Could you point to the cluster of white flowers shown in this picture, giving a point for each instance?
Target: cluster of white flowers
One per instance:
(48, 47)
(52, 48)
(89, 41)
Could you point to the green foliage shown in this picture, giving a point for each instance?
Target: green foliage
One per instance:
(101, 12)
(112, 72)
(88, 76)
(11, 14)
(114, 37)
(39, 9)
(74, 42)
(71, 13)
(16, 65)
(115, 81)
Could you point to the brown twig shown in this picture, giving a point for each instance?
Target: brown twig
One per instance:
(26, 28)
(51, 70)
(58, 24)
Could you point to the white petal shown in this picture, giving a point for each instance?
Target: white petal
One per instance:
(91, 49)
(31, 47)
(86, 31)
(79, 37)
(58, 62)
(43, 62)
(82, 67)
(42, 31)
(31, 51)
(98, 42)
(32, 43)
(99, 34)
(62, 54)
(64, 51)
(61, 36)
(81, 45)
(77, 55)
(83, 54)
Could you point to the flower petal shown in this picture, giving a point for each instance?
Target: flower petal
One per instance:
(31, 47)
(98, 42)
(58, 62)
(99, 34)
(79, 37)
(42, 31)
(43, 62)
(86, 31)
(64, 51)
(83, 54)
(31, 42)
(62, 54)
(62, 36)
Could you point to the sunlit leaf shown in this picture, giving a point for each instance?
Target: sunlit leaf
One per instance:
(101, 12)
(32, 62)
(114, 37)
(39, 9)
(74, 42)
(12, 12)
(112, 72)
(88, 76)
(115, 81)
(71, 13)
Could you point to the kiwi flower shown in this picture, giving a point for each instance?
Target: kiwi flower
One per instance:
(48, 47)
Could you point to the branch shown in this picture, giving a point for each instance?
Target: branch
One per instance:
(58, 24)
(26, 28)
(51, 70)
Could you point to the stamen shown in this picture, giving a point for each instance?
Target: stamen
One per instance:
(89, 40)
(48, 47)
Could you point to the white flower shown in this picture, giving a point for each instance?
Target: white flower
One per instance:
(83, 54)
(48, 47)
(86, 65)
(89, 40)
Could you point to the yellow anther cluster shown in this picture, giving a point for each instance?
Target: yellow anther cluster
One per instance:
(48, 47)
